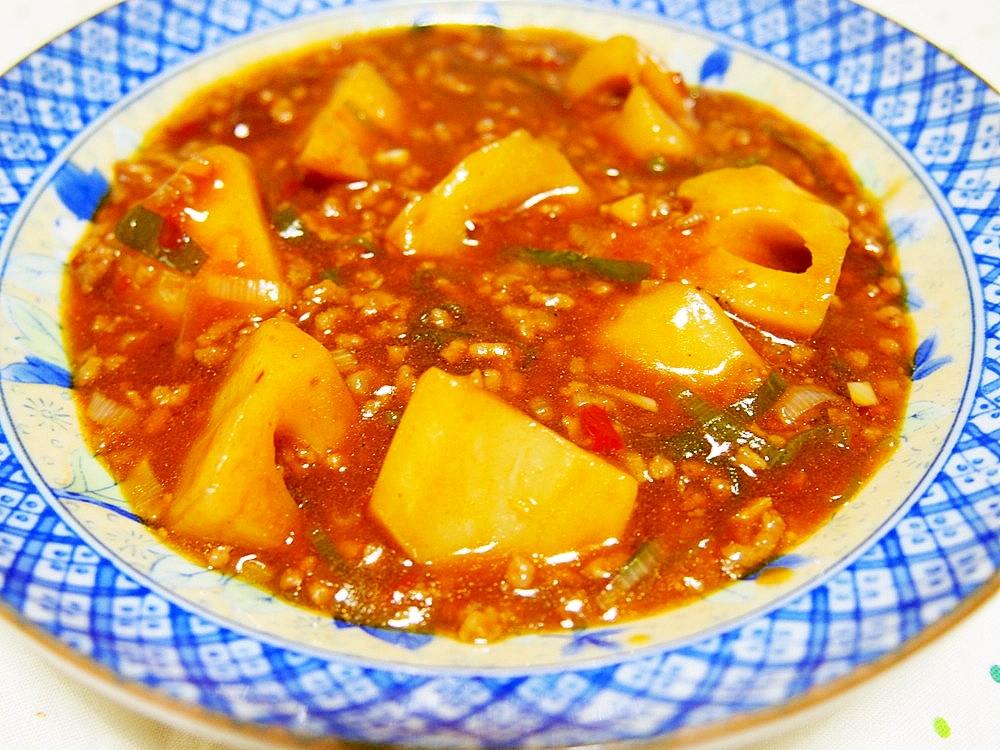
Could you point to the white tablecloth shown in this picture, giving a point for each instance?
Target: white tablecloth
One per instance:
(946, 695)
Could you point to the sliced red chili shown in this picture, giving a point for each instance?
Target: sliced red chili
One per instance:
(601, 434)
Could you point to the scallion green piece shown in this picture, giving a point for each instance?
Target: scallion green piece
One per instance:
(140, 229)
(835, 434)
(609, 269)
(322, 544)
(288, 224)
(761, 399)
(186, 257)
(334, 275)
(423, 328)
(717, 427)
(370, 249)
(437, 337)
(723, 426)
(657, 164)
(641, 565)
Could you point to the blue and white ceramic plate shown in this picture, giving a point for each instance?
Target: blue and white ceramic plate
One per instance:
(919, 545)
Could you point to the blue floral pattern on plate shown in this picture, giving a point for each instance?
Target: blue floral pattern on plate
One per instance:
(941, 548)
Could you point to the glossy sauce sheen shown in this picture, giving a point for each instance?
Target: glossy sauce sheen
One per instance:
(529, 330)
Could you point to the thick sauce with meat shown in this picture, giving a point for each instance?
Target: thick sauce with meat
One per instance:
(549, 286)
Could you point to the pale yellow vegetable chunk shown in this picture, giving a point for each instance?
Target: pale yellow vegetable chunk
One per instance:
(669, 91)
(772, 251)
(645, 130)
(214, 198)
(361, 104)
(225, 215)
(862, 393)
(615, 62)
(231, 491)
(621, 65)
(518, 170)
(467, 473)
(632, 209)
(683, 334)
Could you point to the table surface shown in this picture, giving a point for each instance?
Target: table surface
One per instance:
(946, 695)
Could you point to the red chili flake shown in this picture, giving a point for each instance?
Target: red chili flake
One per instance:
(172, 235)
(601, 433)
(123, 284)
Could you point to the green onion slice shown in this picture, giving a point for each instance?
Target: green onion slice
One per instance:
(334, 275)
(837, 435)
(369, 248)
(140, 229)
(760, 400)
(186, 257)
(143, 230)
(437, 337)
(288, 223)
(722, 425)
(609, 269)
(641, 565)
(727, 426)
(324, 547)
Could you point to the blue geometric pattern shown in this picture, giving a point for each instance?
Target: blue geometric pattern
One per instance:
(944, 549)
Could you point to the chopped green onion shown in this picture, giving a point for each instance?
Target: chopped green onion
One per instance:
(344, 359)
(761, 399)
(289, 224)
(140, 229)
(721, 427)
(324, 547)
(806, 151)
(801, 399)
(718, 427)
(186, 257)
(370, 248)
(835, 434)
(438, 337)
(724, 426)
(687, 443)
(657, 165)
(247, 291)
(454, 309)
(639, 567)
(610, 269)
(423, 328)
(334, 275)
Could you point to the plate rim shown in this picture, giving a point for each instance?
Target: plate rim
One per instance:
(966, 604)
